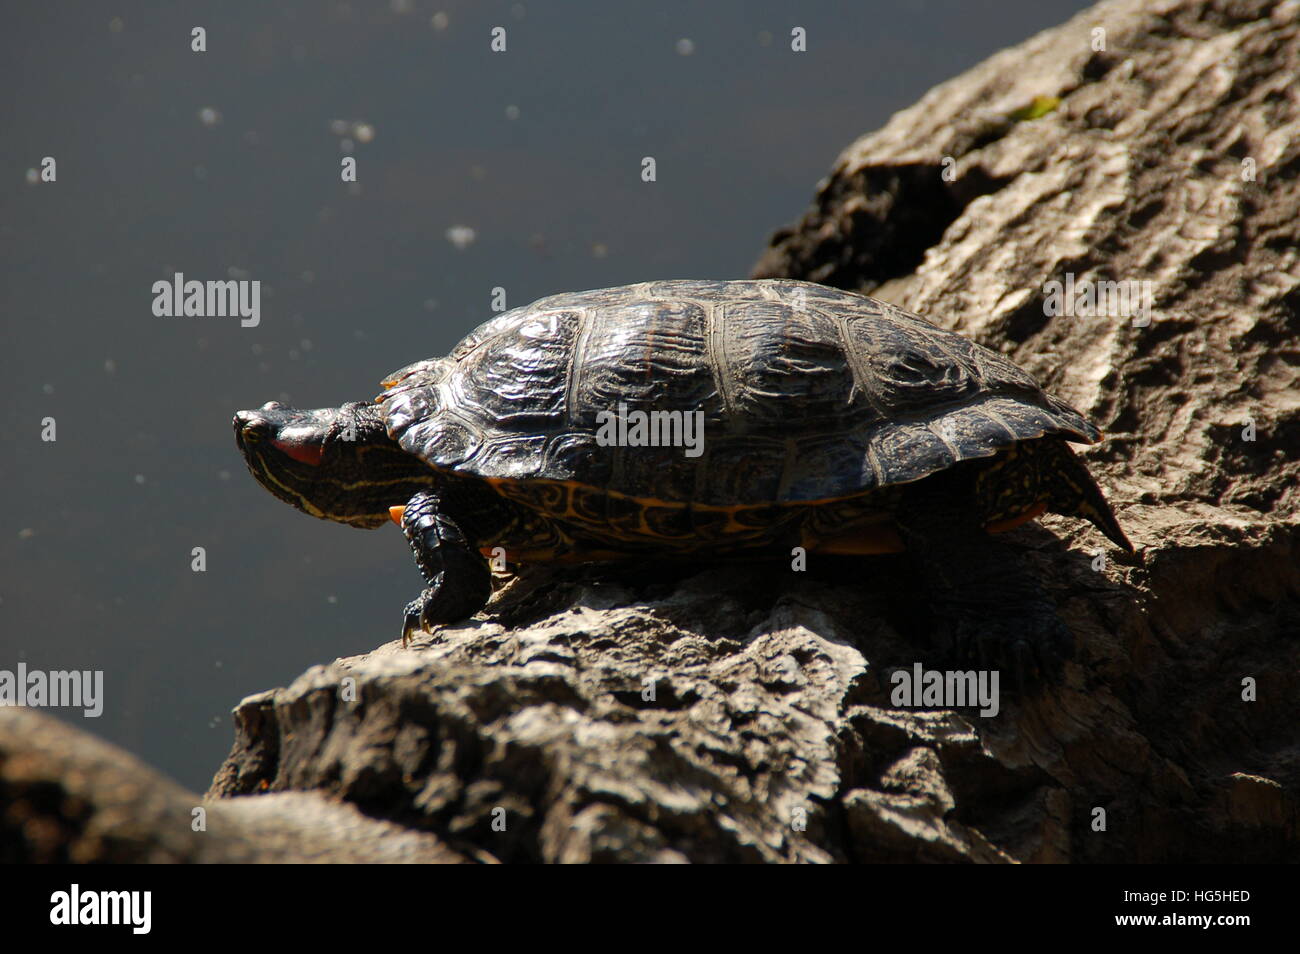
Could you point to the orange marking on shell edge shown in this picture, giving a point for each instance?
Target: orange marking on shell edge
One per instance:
(1010, 523)
(395, 514)
(877, 538)
(498, 482)
(869, 541)
(550, 556)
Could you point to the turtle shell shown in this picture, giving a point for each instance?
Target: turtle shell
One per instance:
(805, 393)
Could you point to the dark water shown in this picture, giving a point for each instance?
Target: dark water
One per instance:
(226, 164)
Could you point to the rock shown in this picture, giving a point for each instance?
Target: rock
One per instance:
(1169, 156)
(628, 725)
(66, 796)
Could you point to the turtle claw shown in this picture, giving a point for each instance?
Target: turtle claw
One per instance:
(411, 625)
(439, 604)
(426, 611)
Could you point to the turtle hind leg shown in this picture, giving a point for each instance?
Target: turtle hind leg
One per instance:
(460, 582)
(986, 606)
(1073, 491)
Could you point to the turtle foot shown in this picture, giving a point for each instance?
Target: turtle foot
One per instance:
(440, 603)
(434, 606)
(460, 582)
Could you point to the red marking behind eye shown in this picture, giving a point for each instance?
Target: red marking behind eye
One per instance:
(306, 453)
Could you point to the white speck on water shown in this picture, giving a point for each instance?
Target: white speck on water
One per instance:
(685, 46)
(461, 236)
(110, 366)
(305, 344)
(339, 127)
(33, 177)
(364, 132)
(209, 116)
(234, 271)
(439, 21)
(116, 25)
(223, 475)
(47, 388)
(512, 112)
(332, 598)
(139, 479)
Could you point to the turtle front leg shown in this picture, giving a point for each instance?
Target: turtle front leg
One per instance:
(458, 576)
(987, 606)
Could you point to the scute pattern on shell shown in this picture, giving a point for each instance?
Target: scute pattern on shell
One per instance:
(807, 393)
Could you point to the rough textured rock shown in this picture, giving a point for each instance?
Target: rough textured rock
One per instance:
(771, 735)
(66, 796)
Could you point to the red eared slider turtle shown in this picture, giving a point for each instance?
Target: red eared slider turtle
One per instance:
(811, 417)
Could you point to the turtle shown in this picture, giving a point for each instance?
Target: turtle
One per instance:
(705, 419)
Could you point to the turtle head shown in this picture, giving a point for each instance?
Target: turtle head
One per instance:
(336, 463)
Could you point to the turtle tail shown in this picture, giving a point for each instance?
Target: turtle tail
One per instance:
(1073, 491)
